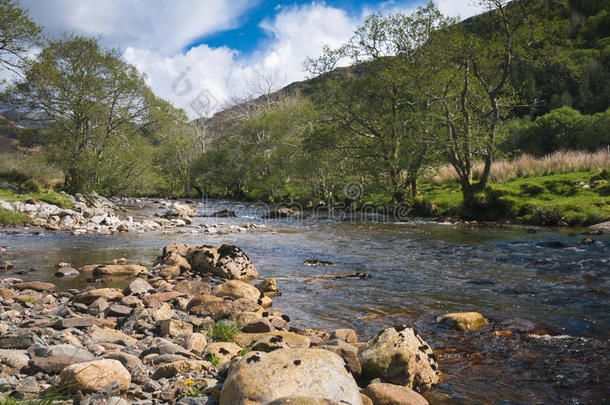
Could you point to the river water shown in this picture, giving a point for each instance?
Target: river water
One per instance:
(545, 292)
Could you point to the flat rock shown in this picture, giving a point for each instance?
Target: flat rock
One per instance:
(106, 335)
(273, 340)
(52, 364)
(161, 297)
(119, 270)
(34, 285)
(94, 375)
(390, 394)
(73, 352)
(74, 322)
(109, 294)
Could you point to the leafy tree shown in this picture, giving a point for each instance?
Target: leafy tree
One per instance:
(17, 34)
(467, 72)
(376, 113)
(96, 106)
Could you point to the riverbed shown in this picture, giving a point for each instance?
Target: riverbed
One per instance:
(545, 291)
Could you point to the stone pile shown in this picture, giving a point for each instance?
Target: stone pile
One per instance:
(166, 339)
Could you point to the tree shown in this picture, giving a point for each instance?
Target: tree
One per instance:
(96, 106)
(17, 34)
(466, 74)
(377, 113)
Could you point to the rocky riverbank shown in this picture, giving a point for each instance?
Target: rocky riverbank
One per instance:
(95, 214)
(197, 329)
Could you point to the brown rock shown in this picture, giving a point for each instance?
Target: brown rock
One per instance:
(159, 298)
(34, 285)
(346, 335)
(195, 342)
(268, 287)
(119, 270)
(225, 351)
(7, 294)
(180, 367)
(463, 320)
(237, 289)
(52, 364)
(193, 287)
(261, 325)
(106, 335)
(75, 322)
(174, 328)
(347, 352)
(91, 376)
(276, 339)
(109, 294)
(390, 394)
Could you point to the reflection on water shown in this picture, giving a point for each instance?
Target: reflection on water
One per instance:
(521, 282)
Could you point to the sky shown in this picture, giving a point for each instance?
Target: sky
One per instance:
(201, 54)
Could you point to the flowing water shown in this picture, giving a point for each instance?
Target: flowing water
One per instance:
(545, 292)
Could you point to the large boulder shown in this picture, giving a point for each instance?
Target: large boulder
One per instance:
(261, 378)
(91, 376)
(401, 357)
(225, 261)
(237, 289)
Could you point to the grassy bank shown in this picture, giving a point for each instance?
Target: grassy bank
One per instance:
(575, 198)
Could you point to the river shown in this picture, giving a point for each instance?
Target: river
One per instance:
(544, 291)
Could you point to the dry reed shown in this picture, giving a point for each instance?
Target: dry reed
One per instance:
(530, 166)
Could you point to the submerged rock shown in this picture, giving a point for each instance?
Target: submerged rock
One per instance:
(463, 320)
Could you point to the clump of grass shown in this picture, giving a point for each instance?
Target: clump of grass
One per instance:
(215, 360)
(530, 166)
(225, 331)
(8, 217)
(51, 197)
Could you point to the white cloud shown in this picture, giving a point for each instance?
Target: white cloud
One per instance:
(154, 34)
(163, 26)
(294, 33)
(459, 8)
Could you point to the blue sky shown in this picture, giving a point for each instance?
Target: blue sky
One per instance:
(209, 52)
(248, 35)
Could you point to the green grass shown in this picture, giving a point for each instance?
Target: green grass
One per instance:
(577, 198)
(37, 401)
(225, 331)
(51, 197)
(13, 218)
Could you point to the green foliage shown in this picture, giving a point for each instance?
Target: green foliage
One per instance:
(215, 360)
(225, 331)
(8, 217)
(562, 129)
(99, 110)
(17, 34)
(574, 198)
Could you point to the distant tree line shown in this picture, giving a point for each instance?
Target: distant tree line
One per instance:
(422, 91)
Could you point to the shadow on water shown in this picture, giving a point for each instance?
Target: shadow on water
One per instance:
(545, 293)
